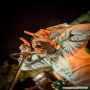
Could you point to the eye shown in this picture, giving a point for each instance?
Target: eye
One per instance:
(38, 46)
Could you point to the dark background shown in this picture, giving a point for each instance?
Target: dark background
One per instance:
(16, 17)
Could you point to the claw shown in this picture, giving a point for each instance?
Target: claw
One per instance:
(25, 41)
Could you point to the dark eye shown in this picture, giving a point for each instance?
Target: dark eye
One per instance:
(38, 46)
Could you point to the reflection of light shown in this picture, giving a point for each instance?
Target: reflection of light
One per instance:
(57, 75)
(38, 77)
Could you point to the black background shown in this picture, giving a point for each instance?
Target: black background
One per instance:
(15, 17)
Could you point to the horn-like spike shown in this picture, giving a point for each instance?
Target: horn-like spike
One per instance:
(71, 27)
(25, 41)
(29, 33)
(32, 34)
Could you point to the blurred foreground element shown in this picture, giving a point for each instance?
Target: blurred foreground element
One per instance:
(8, 71)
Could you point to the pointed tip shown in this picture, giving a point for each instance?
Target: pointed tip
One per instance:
(29, 33)
(25, 41)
